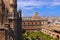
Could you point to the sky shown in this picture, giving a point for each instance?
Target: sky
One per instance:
(43, 7)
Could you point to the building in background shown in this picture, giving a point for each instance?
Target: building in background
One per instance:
(33, 23)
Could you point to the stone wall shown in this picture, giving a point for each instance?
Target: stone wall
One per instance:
(31, 25)
(2, 34)
(51, 33)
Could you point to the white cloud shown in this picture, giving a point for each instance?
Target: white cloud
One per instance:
(55, 4)
(23, 4)
(34, 3)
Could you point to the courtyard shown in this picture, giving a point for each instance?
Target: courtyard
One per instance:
(35, 35)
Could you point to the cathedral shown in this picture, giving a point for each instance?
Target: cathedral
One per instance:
(12, 24)
(9, 20)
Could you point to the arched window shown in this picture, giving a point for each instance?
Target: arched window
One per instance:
(32, 23)
(28, 23)
(58, 36)
(24, 23)
(40, 23)
(36, 23)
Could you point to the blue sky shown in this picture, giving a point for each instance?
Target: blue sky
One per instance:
(43, 7)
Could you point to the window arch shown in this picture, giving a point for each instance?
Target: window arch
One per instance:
(23, 23)
(32, 23)
(28, 23)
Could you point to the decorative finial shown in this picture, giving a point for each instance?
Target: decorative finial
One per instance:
(19, 10)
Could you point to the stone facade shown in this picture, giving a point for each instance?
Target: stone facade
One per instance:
(8, 10)
(51, 33)
(33, 23)
(2, 34)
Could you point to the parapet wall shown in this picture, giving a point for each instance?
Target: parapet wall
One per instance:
(51, 33)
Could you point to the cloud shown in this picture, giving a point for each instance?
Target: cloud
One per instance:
(55, 4)
(30, 4)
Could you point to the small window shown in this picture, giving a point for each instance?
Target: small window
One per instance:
(40, 23)
(28, 23)
(53, 34)
(45, 31)
(49, 33)
(10, 20)
(24, 23)
(48, 22)
(32, 23)
(35, 23)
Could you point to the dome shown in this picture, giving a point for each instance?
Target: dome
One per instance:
(35, 16)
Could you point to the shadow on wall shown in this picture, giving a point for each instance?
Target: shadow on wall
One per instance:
(19, 26)
(17, 33)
